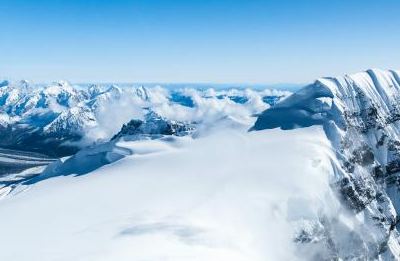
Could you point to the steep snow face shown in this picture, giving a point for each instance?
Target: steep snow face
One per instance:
(71, 122)
(231, 195)
(360, 115)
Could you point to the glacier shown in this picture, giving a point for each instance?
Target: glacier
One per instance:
(213, 175)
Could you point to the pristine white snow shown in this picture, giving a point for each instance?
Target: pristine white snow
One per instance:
(231, 195)
(324, 188)
(360, 114)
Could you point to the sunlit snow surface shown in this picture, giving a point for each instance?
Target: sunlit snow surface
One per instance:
(231, 195)
(316, 178)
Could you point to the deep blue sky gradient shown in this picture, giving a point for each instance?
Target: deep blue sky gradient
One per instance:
(196, 41)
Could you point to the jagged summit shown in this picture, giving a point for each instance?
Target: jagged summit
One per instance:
(154, 124)
(44, 118)
(328, 98)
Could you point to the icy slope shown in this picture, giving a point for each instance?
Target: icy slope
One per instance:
(231, 195)
(360, 115)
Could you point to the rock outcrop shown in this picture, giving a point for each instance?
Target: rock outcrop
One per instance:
(361, 117)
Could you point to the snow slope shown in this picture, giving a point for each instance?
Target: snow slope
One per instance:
(360, 115)
(317, 178)
(231, 195)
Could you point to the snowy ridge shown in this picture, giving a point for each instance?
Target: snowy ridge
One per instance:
(154, 125)
(60, 118)
(360, 115)
(212, 198)
(318, 180)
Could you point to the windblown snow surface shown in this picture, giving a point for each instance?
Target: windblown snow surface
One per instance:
(316, 178)
(229, 196)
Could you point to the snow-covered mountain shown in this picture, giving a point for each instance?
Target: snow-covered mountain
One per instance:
(315, 178)
(224, 196)
(60, 118)
(154, 124)
(360, 115)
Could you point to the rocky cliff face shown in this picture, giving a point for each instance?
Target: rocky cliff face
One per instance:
(361, 117)
(154, 125)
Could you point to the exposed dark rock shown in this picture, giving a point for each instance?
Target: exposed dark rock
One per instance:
(356, 193)
(393, 167)
(154, 125)
(365, 155)
(349, 167)
(393, 145)
(303, 237)
(381, 140)
(378, 173)
(365, 119)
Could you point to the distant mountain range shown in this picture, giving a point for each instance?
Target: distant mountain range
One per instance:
(53, 119)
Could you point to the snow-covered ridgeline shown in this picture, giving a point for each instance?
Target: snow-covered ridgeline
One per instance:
(324, 188)
(230, 195)
(360, 115)
(63, 117)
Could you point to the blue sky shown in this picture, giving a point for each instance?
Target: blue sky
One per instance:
(196, 41)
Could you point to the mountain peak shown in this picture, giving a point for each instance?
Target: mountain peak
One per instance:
(360, 115)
